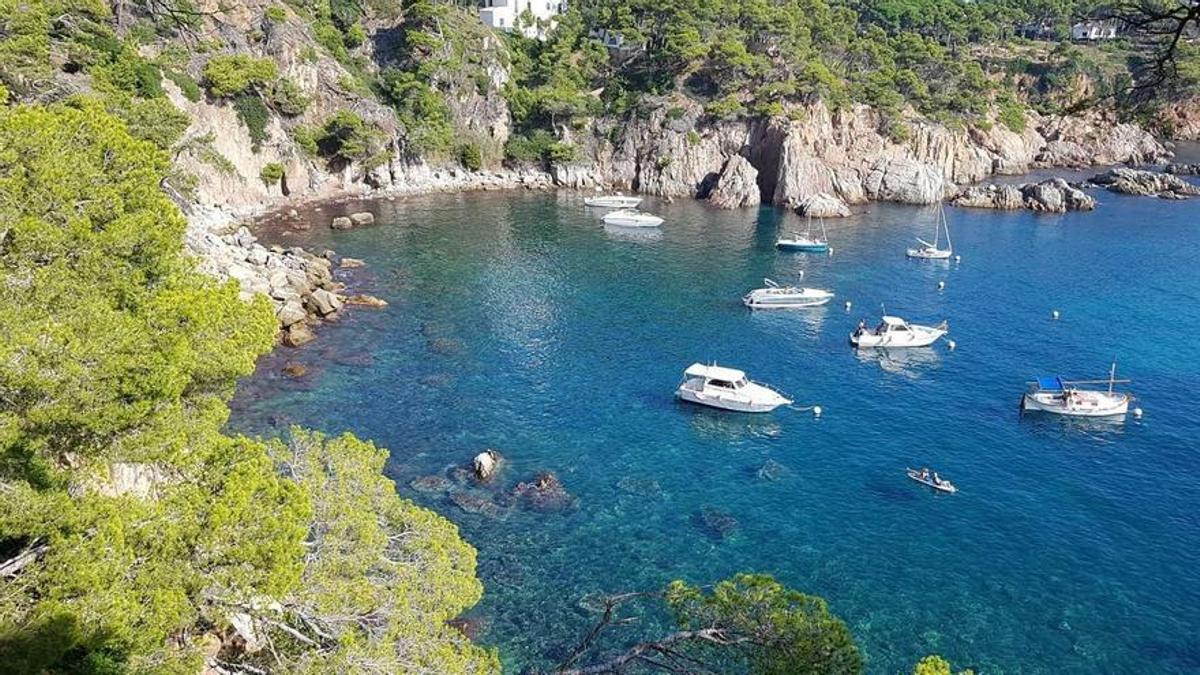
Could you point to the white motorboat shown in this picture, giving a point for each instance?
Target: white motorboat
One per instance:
(728, 389)
(632, 218)
(807, 242)
(933, 251)
(617, 201)
(894, 332)
(1052, 394)
(774, 296)
(932, 479)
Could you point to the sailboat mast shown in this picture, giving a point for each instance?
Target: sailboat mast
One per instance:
(1112, 377)
(946, 224)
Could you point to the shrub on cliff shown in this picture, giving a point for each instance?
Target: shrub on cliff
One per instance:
(227, 75)
(133, 532)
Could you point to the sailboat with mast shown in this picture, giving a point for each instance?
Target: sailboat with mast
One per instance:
(805, 242)
(933, 251)
(1055, 395)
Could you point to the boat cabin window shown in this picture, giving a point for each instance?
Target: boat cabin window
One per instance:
(724, 384)
(741, 383)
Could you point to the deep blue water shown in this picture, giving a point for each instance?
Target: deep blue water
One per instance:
(518, 323)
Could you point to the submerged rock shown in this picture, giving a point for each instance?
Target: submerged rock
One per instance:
(642, 487)
(430, 484)
(475, 503)
(363, 300)
(716, 523)
(771, 470)
(295, 370)
(544, 493)
(351, 263)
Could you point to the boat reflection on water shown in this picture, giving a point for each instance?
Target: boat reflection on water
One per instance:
(1103, 429)
(726, 427)
(911, 363)
(808, 320)
(622, 232)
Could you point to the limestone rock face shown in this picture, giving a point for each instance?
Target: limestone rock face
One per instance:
(1183, 169)
(823, 205)
(737, 185)
(907, 181)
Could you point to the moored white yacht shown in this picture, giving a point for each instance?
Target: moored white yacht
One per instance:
(774, 296)
(617, 201)
(894, 332)
(728, 389)
(632, 218)
(1052, 394)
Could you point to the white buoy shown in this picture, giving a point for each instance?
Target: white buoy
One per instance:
(958, 258)
(848, 305)
(816, 411)
(1054, 315)
(830, 251)
(941, 285)
(951, 344)
(801, 274)
(1137, 413)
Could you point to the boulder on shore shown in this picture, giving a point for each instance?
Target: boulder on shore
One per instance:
(1183, 169)
(737, 185)
(1145, 183)
(362, 218)
(823, 205)
(364, 300)
(351, 263)
(298, 334)
(341, 223)
(323, 302)
(1054, 195)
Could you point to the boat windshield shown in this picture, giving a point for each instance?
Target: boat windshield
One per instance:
(741, 383)
(724, 384)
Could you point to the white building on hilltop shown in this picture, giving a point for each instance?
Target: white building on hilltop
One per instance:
(534, 18)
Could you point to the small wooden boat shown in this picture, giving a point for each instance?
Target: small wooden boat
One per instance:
(930, 478)
(617, 201)
(632, 218)
(1052, 394)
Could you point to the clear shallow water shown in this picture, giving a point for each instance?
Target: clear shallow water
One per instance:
(517, 322)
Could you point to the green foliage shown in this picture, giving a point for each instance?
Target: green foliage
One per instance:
(347, 137)
(276, 14)
(306, 140)
(287, 97)
(539, 147)
(227, 75)
(421, 109)
(254, 114)
(117, 364)
(156, 120)
(187, 85)
(932, 665)
(693, 138)
(271, 173)
(789, 633)
(470, 156)
(1011, 113)
(728, 107)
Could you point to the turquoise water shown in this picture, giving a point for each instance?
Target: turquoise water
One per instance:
(518, 323)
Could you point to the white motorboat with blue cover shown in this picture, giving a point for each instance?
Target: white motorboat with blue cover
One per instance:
(617, 201)
(728, 389)
(1052, 394)
(774, 296)
(632, 218)
(894, 332)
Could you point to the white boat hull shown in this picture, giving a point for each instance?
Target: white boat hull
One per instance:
(625, 220)
(613, 202)
(808, 297)
(929, 254)
(918, 336)
(1079, 404)
(727, 402)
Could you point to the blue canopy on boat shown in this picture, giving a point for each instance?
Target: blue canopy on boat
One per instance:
(1050, 383)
